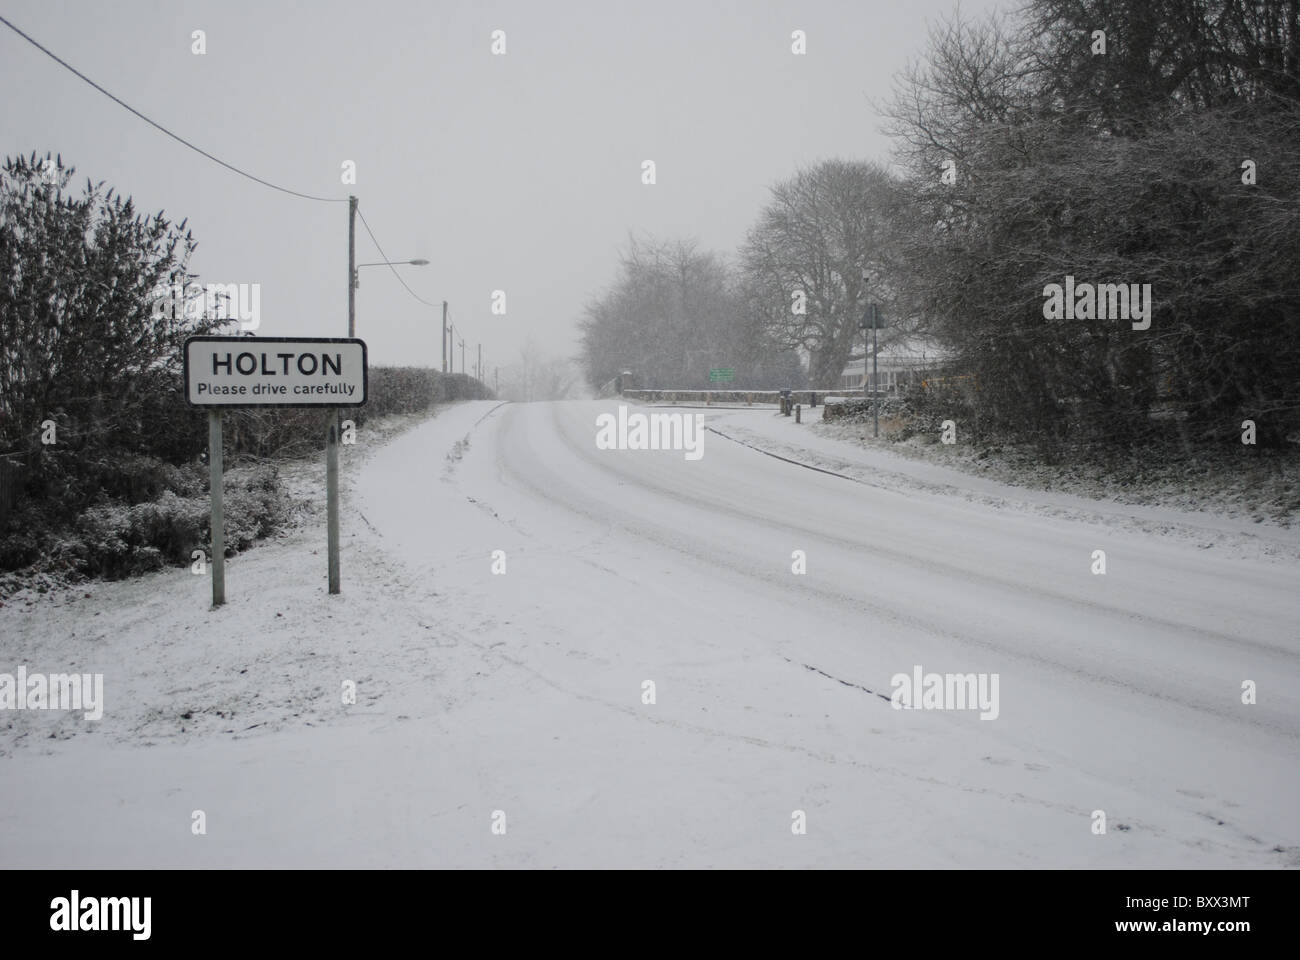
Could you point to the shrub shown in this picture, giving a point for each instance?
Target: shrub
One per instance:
(255, 507)
(114, 540)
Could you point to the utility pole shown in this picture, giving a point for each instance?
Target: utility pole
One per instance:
(444, 336)
(332, 438)
(352, 266)
(478, 369)
(462, 356)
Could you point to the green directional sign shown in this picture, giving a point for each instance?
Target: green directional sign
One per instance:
(722, 373)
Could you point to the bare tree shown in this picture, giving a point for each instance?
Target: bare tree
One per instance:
(673, 314)
(804, 261)
(539, 377)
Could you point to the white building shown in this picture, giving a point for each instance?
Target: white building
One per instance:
(900, 362)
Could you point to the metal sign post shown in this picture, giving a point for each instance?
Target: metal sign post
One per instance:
(864, 325)
(241, 372)
(332, 499)
(875, 373)
(872, 382)
(218, 522)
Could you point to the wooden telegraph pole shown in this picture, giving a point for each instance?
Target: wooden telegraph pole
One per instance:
(332, 439)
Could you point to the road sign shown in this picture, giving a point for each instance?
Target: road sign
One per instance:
(237, 372)
(873, 311)
(722, 373)
(275, 372)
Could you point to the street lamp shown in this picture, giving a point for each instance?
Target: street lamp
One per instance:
(356, 280)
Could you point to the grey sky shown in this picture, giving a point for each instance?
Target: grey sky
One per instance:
(519, 172)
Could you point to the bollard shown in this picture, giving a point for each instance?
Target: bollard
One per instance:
(798, 410)
(749, 399)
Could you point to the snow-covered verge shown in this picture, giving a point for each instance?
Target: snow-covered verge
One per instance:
(1241, 481)
(1221, 513)
(194, 672)
(265, 499)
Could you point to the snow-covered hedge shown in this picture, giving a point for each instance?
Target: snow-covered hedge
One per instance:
(114, 540)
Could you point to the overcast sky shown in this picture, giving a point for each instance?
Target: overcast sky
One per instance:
(519, 172)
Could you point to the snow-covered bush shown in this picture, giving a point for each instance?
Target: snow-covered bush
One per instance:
(114, 540)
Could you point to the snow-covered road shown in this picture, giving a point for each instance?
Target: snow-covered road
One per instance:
(1119, 692)
(519, 697)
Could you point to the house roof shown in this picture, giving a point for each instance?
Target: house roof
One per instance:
(902, 352)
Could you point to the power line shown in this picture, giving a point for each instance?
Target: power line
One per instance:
(199, 150)
(63, 63)
(385, 258)
(390, 265)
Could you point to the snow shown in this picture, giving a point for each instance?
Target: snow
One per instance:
(897, 466)
(522, 692)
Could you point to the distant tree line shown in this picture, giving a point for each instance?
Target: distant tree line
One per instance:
(537, 377)
(675, 313)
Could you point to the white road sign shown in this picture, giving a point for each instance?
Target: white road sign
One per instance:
(275, 372)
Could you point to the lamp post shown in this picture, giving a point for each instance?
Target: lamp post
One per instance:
(875, 373)
(356, 282)
(872, 317)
